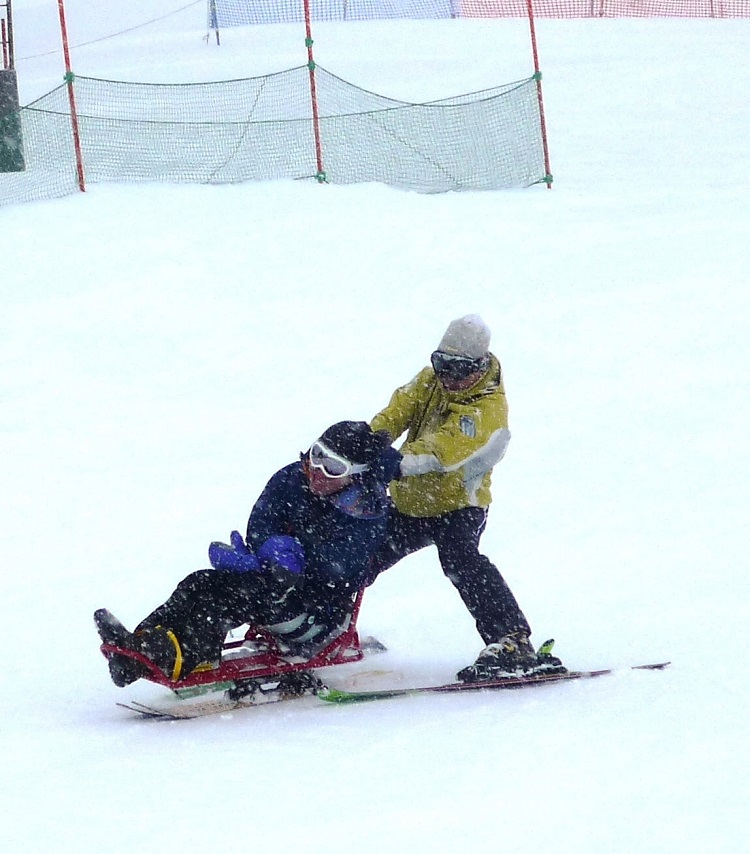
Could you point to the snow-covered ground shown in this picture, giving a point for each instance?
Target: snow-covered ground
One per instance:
(166, 348)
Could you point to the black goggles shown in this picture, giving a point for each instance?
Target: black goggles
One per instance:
(456, 367)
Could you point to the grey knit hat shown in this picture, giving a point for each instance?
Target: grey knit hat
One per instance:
(468, 336)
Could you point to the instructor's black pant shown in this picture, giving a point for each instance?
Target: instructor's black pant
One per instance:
(480, 584)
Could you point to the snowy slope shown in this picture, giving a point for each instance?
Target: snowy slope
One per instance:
(165, 349)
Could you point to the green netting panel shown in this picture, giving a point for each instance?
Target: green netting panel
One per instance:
(483, 141)
(273, 97)
(49, 158)
(238, 130)
(261, 129)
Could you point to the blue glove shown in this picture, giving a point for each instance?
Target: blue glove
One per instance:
(283, 552)
(238, 543)
(235, 558)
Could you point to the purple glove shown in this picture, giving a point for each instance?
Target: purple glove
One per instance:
(235, 558)
(238, 543)
(283, 552)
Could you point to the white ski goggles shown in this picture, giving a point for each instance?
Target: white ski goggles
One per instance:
(333, 464)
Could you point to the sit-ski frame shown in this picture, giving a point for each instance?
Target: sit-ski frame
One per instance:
(268, 659)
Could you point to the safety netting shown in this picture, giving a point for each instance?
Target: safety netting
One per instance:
(233, 13)
(37, 155)
(262, 128)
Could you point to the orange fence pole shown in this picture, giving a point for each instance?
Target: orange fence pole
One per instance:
(69, 78)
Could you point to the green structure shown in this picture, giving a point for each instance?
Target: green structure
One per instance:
(11, 139)
(263, 129)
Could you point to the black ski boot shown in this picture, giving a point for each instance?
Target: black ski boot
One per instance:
(161, 646)
(549, 663)
(512, 656)
(122, 670)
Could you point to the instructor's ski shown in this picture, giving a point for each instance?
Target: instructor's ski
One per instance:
(333, 695)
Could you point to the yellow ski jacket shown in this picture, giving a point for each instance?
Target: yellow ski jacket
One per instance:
(454, 439)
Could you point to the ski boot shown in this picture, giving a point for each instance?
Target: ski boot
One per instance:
(511, 657)
(122, 669)
(549, 663)
(161, 647)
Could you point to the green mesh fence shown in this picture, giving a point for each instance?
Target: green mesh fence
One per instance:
(48, 154)
(261, 129)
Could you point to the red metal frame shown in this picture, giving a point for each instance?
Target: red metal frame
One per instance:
(269, 659)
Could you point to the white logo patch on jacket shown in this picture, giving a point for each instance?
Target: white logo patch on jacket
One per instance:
(468, 426)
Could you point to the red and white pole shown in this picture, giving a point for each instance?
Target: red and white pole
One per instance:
(538, 78)
(321, 175)
(4, 40)
(7, 35)
(69, 78)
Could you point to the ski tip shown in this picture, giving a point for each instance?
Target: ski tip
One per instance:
(145, 711)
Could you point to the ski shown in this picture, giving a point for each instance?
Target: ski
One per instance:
(239, 695)
(243, 694)
(258, 695)
(202, 709)
(333, 695)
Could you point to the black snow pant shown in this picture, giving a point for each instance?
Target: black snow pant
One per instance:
(208, 603)
(480, 584)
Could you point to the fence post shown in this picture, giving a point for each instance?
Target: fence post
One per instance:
(538, 77)
(7, 28)
(69, 78)
(321, 175)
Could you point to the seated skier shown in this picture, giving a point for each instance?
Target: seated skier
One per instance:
(310, 538)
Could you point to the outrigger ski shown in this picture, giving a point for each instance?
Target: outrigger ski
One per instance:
(240, 695)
